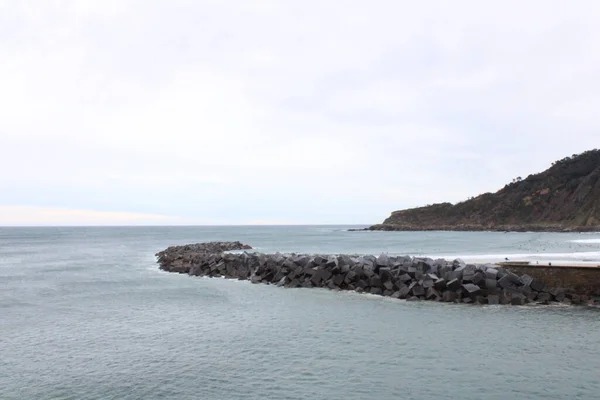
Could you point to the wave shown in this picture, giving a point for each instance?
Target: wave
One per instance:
(588, 241)
(591, 257)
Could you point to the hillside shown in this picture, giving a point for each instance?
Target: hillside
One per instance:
(565, 197)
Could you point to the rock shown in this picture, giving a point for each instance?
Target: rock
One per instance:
(471, 289)
(491, 283)
(432, 294)
(493, 299)
(383, 260)
(403, 292)
(491, 273)
(385, 274)
(376, 290)
(350, 277)
(432, 277)
(527, 280)
(375, 281)
(388, 285)
(427, 283)
(537, 285)
(506, 282)
(517, 300)
(338, 280)
(361, 284)
(479, 278)
(544, 297)
(440, 284)
(448, 296)
(559, 294)
(418, 290)
(453, 285)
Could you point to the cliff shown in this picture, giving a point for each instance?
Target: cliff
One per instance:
(565, 197)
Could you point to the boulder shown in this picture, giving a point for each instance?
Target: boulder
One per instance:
(527, 280)
(517, 300)
(403, 292)
(440, 284)
(471, 289)
(491, 273)
(432, 294)
(388, 285)
(418, 290)
(376, 290)
(448, 296)
(543, 297)
(537, 285)
(453, 285)
(375, 281)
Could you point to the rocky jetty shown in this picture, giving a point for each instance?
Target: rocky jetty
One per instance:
(398, 277)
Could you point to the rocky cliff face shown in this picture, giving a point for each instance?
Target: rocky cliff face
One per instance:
(565, 197)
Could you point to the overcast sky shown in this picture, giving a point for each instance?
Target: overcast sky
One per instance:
(314, 111)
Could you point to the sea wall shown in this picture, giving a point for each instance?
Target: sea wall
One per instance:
(577, 279)
(398, 277)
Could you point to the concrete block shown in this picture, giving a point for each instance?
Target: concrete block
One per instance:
(453, 285)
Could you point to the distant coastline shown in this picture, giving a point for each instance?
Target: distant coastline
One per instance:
(479, 228)
(564, 198)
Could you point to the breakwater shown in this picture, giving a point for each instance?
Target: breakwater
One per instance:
(400, 277)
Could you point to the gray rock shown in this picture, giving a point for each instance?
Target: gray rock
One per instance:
(493, 299)
(432, 294)
(383, 260)
(375, 281)
(471, 289)
(376, 290)
(338, 280)
(448, 296)
(418, 290)
(453, 285)
(543, 297)
(517, 300)
(440, 284)
(527, 280)
(385, 274)
(403, 292)
(537, 285)
(491, 273)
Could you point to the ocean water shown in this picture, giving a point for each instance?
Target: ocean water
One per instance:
(86, 314)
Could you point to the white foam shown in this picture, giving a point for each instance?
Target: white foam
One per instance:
(588, 257)
(586, 241)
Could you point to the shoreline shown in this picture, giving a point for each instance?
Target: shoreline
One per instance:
(479, 228)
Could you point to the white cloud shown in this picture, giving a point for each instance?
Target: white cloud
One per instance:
(303, 112)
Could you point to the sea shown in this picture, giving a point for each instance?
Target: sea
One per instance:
(85, 314)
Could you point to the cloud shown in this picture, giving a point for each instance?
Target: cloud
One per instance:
(279, 111)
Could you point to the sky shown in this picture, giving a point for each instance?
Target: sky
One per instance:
(137, 112)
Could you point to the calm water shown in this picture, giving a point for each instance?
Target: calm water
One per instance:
(85, 314)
